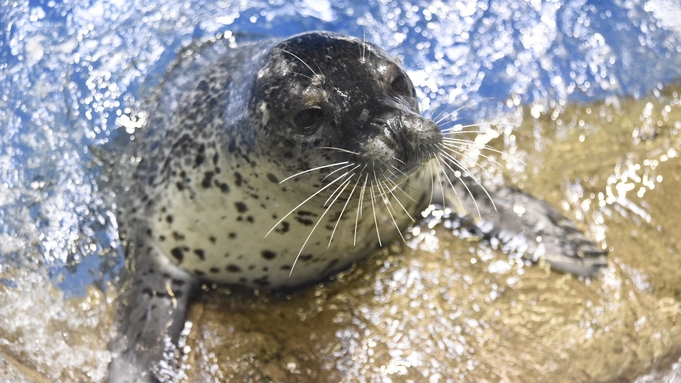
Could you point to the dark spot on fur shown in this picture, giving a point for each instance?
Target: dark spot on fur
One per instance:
(241, 207)
(272, 178)
(286, 267)
(233, 269)
(200, 253)
(161, 238)
(178, 282)
(223, 186)
(199, 160)
(303, 221)
(214, 270)
(284, 228)
(207, 179)
(261, 281)
(180, 186)
(238, 180)
(212, 239)
(306, 257)
(178, 236)
(250, 219)
(268, 254)
(232, 235)
(215, 158)
(149, 232)
(303, 213)
(199, 273)
(178, 254)
(169, 218)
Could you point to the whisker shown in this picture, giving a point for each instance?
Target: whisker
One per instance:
(399, 160)
(442, 189)
(451, 184)
(400, 203)
(341, 168)
(388, 206)
(334, 192)
(346, 182)
(432, 183)
(299, 59)
(464, 153)
(373, 208)
(338, 149)
(469, 174)
(308, 198)
(313, 169)
(343, 211)
(360, 205)
(396, 186)
(304, 75)
(449, 148)
(364, 45)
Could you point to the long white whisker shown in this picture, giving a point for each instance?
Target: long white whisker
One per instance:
(308, 198)
(360, 205)
(469, 174)
(341, 168)
(388, 206)
(398, 201)
(396, 186)
(299, 59)
(463, 153)
(456, 144)
(442, 189)
(311, 170)
(373, 207)
(432, 183)
(444, 173)
(342, 211)
(346, 182)
(348, 179)
(338, 149)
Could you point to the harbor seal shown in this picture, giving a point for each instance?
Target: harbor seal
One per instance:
(274, 163)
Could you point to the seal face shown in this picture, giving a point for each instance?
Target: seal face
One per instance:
(326, 122)
(276, 163)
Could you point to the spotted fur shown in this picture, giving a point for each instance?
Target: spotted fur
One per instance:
(276, 163)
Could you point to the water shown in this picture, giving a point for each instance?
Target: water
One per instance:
(593, 87)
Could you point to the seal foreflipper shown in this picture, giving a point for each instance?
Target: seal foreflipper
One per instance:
(529, 226)
(151, 316)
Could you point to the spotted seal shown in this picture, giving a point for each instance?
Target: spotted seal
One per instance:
(275, 163)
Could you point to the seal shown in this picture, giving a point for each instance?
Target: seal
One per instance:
(274, 163)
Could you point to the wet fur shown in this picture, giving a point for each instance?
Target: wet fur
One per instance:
(232, 189)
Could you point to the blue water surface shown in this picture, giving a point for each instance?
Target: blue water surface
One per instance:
(73, 75)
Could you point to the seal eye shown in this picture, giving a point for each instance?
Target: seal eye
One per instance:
(399, 84)
(308, 118)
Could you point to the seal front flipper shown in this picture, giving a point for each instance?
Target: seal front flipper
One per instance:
(524, 224)
(151, 313)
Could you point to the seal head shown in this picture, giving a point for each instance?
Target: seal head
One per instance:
(323, 98)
